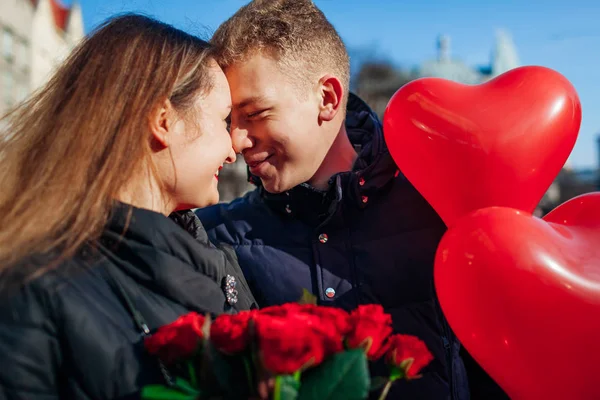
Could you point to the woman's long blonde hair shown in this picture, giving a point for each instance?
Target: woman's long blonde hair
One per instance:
(67, 151)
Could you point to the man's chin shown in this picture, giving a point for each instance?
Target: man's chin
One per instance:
(273, 189)
(274, 186)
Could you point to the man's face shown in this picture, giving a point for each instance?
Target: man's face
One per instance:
(275, 123)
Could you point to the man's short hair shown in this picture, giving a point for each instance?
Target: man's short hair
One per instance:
(293, 32)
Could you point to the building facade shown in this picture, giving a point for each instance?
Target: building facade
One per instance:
(36, 36)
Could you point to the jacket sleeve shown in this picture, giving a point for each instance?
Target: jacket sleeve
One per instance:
(29, 350)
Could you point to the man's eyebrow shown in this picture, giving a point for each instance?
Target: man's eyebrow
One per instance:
(250, 100)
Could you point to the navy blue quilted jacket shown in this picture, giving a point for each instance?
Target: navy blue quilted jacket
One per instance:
(371, 238)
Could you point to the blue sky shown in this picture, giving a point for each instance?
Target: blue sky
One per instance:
(562, 35)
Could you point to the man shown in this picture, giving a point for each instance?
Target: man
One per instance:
(331, 212)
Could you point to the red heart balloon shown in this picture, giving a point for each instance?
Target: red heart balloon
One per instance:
(500, 143)
(523, 296)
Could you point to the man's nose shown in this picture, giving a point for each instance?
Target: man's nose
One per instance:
(240, 139)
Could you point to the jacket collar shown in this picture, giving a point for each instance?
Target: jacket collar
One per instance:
(155, 229)
(157, 253)
(373, 169)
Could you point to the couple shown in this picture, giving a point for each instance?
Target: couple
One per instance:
(100, 169)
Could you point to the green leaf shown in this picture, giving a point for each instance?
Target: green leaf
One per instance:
(343, 376)
(286, 387)
(307, 298)
(378, 382)
(193, 374)
(186, 387)
(161, 392)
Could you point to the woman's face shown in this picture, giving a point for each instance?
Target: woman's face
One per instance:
(200, 145)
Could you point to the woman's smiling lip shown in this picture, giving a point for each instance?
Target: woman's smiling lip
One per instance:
(217, 174)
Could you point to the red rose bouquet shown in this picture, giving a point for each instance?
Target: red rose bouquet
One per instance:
(293, 351)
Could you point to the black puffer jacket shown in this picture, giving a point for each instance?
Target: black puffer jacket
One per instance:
(70, 335)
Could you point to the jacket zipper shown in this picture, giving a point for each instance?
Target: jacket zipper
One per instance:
(446, 339)
(447, 342)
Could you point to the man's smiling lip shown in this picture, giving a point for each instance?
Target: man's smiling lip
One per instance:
(253, 163)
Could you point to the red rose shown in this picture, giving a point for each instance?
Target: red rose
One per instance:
(229, 333)
(335, 318)
(330, 323)
(409, 354)
(284, 309)
(292, 336)
(369, 327)
(333, 325)
(288, 343)
(178, 340)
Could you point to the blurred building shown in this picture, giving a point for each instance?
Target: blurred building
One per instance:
(503, 58)
(36, 35)
(376, 81)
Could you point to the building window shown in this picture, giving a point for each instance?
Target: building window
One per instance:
(22, 54)
(8, 87)
(7, 44)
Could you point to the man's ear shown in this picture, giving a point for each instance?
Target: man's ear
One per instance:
(331, 94)
(161, 123)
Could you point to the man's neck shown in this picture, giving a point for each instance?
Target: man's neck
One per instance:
(340, 158)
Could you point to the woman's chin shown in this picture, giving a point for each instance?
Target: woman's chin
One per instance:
(210, 201)
(206, 201)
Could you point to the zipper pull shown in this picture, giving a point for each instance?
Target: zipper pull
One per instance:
(446, 342)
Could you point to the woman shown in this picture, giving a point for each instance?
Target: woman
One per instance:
(132, 128)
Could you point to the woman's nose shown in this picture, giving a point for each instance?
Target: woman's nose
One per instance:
(231, 157)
